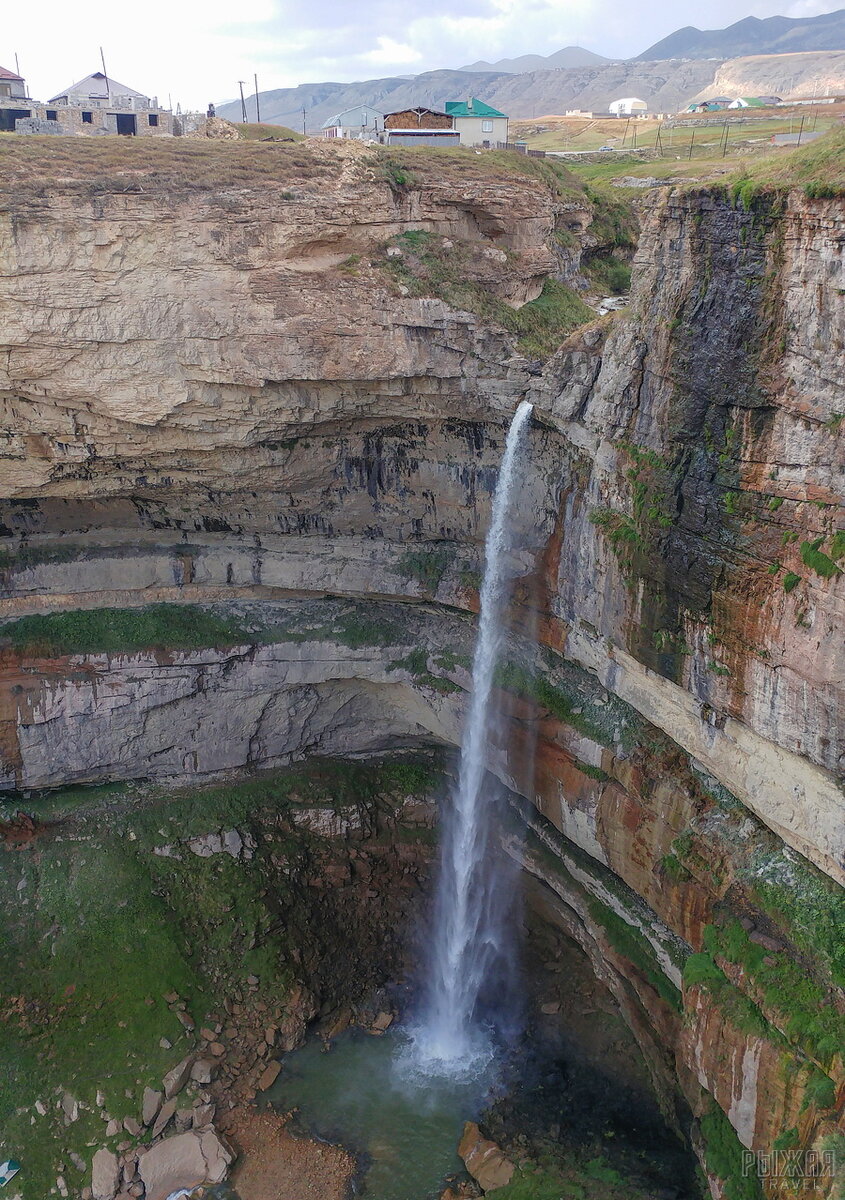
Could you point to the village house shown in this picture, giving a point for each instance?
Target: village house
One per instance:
(12, 86)
(95, 105)
(14, 102)
(111, 107)
(420, 127)
(477, 123)
(360, 122)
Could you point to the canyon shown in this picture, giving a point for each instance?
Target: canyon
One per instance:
(250, 435)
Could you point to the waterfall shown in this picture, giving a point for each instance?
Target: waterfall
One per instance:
(468, 938)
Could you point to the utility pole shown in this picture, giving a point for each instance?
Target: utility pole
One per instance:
(105, 72)
(801, 129)
(691, 143)
(243, 102)
(303, 118)
(257, 109)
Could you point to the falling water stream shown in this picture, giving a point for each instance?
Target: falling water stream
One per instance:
(468, 939)
(401, 1101)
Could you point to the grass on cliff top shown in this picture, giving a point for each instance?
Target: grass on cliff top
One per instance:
(33, 166)
(817, 168)
(254, 131)
(408, 167)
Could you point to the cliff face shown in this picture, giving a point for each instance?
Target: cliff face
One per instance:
(245, 402)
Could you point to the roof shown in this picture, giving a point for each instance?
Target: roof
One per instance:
(431, 112)
(337, 119)
(471, 108)
(4, 74)
(99, 87)
(630, 100)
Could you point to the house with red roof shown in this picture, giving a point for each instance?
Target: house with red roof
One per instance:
(12, 86)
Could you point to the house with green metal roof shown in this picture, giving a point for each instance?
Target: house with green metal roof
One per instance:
(478, 123)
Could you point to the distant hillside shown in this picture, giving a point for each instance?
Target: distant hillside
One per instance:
(665, 86)
(569, 56)
(773, 35)
(781, 75)
(322, 100)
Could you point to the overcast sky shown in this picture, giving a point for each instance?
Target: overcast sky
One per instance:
(196, 50)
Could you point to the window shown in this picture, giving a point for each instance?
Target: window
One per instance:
(153, 119)
(87, 118)
(52, 115)
(486, 126)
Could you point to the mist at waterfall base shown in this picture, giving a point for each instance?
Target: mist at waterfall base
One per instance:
(471, 996)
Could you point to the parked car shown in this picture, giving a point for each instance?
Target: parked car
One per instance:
(606, 148)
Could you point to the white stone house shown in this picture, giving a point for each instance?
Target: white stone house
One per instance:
(362, 122)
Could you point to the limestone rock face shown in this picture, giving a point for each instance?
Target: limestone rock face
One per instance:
(184, 1161)
(235, 402)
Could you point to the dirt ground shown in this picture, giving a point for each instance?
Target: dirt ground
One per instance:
(275, 1165)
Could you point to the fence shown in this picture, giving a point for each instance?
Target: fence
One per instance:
(520, 148)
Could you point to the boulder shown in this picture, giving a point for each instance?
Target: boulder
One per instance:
(105, 1175)
(184, 1161)
(202, 1115)
(150, 1105)
(484, 1160)
(269, 1076)
(70, 1107)
(203, 1070)
(383, 1021)
(176, 1079)
(163, 1119)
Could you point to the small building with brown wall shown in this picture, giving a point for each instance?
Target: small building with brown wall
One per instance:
(420, 127)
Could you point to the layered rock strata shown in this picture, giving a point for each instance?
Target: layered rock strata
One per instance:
(240, 404)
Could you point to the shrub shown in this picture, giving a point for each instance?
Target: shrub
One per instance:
(817, 560)
(427, 567)
(791, 581)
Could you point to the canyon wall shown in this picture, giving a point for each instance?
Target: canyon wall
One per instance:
(267, 410)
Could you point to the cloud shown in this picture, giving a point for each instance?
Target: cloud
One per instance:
(391, 53)
(197, 50)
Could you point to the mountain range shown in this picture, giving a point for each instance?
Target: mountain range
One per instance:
(668, 75)
(751, 35)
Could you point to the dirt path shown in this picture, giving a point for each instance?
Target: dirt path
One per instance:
(275, 1165)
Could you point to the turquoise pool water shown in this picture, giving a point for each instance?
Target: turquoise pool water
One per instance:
(368, 1094)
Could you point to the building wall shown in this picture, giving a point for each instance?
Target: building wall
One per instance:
(473, 133)
(408, 119)
(14, 88)
(68, 119)
(427, 137)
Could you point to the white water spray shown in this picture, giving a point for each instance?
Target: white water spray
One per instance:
(468, 938)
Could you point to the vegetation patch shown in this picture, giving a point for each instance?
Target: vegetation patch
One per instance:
(97, 928)
(186, 627)
(429, 265)
(724, 1155)
(122, 630)
(636, 948)
(807, 1013)
(427, 567)
(813, 556)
